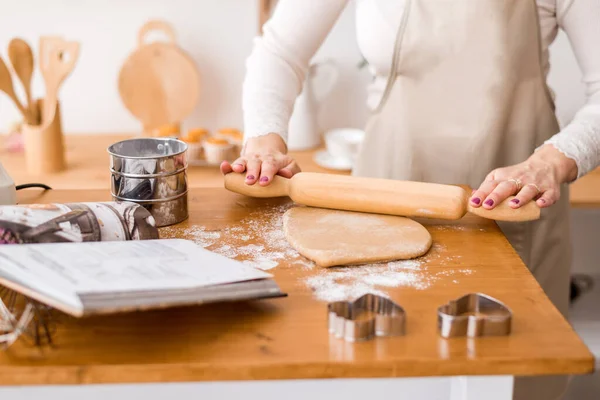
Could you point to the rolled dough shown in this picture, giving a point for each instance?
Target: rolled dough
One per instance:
(334, 238)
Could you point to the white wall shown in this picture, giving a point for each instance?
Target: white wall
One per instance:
(217, 34)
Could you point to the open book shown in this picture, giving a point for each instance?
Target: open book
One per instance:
(117, 276)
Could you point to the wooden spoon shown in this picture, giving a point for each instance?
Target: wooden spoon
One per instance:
(57, 60)
(6, 85)
(21, 58)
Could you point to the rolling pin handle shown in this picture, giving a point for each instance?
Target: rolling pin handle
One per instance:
(503, 212)
(236, 182)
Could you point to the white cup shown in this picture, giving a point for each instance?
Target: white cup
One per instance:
(344, 143)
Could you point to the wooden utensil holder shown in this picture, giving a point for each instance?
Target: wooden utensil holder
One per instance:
(44, 145)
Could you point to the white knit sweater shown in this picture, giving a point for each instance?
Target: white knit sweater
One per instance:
(280, 59)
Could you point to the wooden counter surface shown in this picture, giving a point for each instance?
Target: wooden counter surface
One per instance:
(287, 338)
(88, 169)
(585, 193)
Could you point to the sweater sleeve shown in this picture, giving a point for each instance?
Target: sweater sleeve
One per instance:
(279, 61)
(580, 139)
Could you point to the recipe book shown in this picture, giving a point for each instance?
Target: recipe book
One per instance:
(117, 276)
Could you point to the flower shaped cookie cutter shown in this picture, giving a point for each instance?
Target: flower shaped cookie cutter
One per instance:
(473, 315)
(366, 317)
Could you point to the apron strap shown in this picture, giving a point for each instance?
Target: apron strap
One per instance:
(395, 57)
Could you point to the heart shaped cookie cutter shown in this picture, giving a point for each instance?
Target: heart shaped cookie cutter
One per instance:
(473, 315)
(354, 321)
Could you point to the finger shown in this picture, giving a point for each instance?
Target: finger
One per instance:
(482, 193)
(268, 169)
(290, 170)
(548, 198)
(499, 194)
(491, 176)
(253, 170)
(525, 195)
(226, 168)
(239, 165)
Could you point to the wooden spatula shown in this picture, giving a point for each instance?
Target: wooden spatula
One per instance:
(57, 60)
(6, 85)
(379, 196)
(21, 58)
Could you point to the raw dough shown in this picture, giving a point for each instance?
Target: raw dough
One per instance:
(332, 238)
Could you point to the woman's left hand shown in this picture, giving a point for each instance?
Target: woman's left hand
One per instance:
(539, 177)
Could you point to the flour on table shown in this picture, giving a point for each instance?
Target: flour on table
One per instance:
(264, 228)
(198, 234)
(348, 283)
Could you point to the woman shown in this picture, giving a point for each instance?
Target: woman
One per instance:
(459, 97)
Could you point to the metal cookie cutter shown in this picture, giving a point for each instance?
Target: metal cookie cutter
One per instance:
(473, 315)
(354, 321)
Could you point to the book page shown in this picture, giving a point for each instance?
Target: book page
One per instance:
(107, 267)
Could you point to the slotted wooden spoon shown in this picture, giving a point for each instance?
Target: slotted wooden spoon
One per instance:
(57, 60)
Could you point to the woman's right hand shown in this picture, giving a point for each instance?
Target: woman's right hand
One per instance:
(262, 158)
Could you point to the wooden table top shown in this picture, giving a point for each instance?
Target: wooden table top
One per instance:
(88, 169)
(585, 192)
(287, 338)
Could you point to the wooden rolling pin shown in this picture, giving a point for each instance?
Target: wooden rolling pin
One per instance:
(379, 196)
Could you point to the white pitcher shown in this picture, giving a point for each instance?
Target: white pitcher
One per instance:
(303, 129)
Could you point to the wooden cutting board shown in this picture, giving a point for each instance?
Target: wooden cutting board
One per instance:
(159, 82)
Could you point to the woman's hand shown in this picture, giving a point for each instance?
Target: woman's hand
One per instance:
(262, 158)
(539, 178)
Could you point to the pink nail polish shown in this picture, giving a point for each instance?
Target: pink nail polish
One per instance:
(543, 201)
(516, 201)
(489, 202)
(264, 179)
(476, 200)
(250, 177)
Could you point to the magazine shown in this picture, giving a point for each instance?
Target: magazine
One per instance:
(76, 222)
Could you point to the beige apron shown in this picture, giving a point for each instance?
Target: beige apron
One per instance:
(469, 95)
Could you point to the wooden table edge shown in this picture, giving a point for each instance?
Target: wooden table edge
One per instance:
(170, 373)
